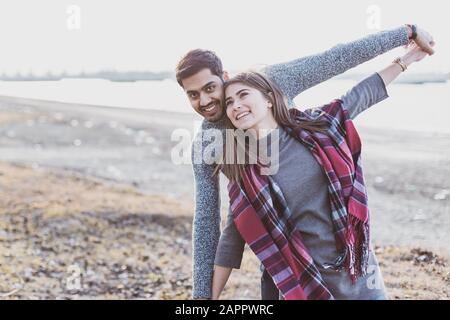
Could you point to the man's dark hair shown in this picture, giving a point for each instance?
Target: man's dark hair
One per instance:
(196, 60)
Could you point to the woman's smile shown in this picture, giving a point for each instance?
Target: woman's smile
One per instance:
(242, 115)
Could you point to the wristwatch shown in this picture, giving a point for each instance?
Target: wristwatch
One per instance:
(413, 31)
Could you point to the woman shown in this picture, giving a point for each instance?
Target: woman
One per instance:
(308, 222)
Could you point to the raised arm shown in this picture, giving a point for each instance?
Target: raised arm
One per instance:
(298, 75)
(373, 89)
(206, 228)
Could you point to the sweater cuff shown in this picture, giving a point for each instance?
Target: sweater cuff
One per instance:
(229, 260)
(381, 85)
(404, 35)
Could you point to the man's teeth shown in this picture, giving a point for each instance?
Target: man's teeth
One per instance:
(242, 115)
(210, 108)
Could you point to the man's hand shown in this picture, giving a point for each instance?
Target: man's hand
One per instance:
(424, 40)
(413, 54)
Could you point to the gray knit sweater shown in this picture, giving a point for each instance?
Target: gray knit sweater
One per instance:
(292, 78)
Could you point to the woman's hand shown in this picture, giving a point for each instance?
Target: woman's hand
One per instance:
(220, 278)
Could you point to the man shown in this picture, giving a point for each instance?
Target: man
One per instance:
(201, 75)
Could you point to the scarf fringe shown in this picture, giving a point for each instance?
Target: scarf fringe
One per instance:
(357, 239)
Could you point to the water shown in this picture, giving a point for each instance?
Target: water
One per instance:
(161, 95)
(423, 108)
(410, 107)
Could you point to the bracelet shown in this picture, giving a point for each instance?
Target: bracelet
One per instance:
(413, 31)
(400, 63)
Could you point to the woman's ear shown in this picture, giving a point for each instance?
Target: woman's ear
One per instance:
(225, 76)
(269, 101)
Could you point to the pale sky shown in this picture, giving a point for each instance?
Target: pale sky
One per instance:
(154, 34)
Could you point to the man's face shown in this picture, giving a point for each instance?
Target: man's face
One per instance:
(205, 93)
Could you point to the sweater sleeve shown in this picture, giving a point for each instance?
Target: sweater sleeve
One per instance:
(365, 94)
(206, 224)
(295, 76)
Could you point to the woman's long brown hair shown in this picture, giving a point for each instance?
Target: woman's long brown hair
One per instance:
(229, 165)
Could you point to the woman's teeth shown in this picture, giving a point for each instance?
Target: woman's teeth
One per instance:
(241, 115)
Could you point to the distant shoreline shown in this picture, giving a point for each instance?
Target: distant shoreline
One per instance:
(106, 74)
(133, 76)
(409, 78)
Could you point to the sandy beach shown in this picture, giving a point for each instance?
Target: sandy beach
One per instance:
(93, 207)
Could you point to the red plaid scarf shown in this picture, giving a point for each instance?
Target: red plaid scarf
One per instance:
(262, 216)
